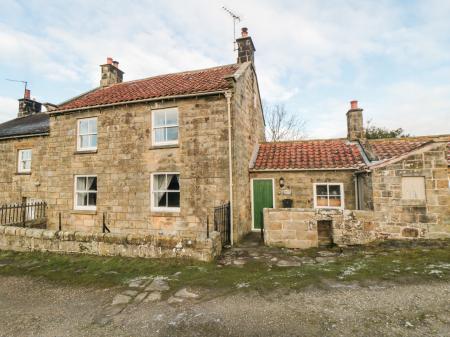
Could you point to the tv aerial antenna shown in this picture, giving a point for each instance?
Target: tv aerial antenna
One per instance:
(24, 82)
(236, 18)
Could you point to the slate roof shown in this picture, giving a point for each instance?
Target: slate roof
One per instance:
(190, 82)
(308, 154)
(24, 126)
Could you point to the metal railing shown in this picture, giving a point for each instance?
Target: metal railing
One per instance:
(23, 214)
(222, 222)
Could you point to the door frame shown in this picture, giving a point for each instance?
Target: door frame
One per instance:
(252, 201)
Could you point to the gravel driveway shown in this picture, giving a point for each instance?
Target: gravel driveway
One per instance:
(32, 307)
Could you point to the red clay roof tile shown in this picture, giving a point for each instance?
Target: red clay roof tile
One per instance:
(390, 148)
(309, 154)
(191, 82)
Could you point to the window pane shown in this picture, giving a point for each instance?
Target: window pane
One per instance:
(172, 133)
(93, 141)
(84, 141)
(174, 199)
(321, 190)
(159, 135)
(81, 183)
(92, 199)
(92, 184)
(322, 201)
(83, 127)
(173, 182)
(172, 117)
(27, 165)
(159, 182)
(335, 201)
(92, 126)
(81, 199)
(158, 118)
(335, 190)
(160, 199)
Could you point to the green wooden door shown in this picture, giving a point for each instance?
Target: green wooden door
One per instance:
(262, 198)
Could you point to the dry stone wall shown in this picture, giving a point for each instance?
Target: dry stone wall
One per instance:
(131, 245)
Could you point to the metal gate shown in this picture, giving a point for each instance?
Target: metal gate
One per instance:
(222, 222)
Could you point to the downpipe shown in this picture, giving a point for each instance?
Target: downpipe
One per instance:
(228, 95)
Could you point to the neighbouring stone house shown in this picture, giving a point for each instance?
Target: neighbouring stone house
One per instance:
(351, 191)
(149, 156)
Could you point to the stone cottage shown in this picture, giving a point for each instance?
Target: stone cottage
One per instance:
(151, 156)
(351, 191)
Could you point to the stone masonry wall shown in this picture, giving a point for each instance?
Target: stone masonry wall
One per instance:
(131, 245)
(248, 130)
(13, 185)
(299, 186)
(429, 218)
(125, 160)
(297, 227)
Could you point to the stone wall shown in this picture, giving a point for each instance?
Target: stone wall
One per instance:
(297, 227)
(13, 185)
(428, 218)
(131, 245)
(299, 185)
(248, 130)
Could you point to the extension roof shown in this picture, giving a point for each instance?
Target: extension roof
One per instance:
(32, 125)
(169, 85)
(308, 155)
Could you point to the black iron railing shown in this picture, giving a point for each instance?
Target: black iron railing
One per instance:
(23, 214)
(222, 222)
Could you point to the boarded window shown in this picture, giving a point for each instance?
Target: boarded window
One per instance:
(413, 188)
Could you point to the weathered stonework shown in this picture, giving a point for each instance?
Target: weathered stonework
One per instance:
(297, 227)
(127, 245)
(428, 218)
(299, 185)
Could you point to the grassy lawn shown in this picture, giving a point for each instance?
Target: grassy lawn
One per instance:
(366, 266)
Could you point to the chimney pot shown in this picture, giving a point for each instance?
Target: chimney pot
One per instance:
(354, 105)
(244, 31)
(27, 94)
(109, 60)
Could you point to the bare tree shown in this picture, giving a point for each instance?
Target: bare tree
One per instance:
(282, 125)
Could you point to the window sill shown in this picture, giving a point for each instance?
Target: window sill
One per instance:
(85, 152)
(83, 211)
(164, 214)
(23, 173)
(158, 147)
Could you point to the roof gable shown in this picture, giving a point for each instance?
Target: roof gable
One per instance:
(184, 83)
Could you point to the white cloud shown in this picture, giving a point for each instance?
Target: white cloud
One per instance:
(8, 108)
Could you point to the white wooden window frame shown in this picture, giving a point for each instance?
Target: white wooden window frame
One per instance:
(76, 191)
(165, 127)
(152, 193)
(20, 160)
(342, 195)
(79, 135)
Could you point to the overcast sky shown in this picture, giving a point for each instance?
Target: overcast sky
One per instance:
(312, 56)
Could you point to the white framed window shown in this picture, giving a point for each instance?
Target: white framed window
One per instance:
(165, 126)
(87, 134)
(165, 189)
(413, 188)
(24, 161)
(85, 193)
(329, 195)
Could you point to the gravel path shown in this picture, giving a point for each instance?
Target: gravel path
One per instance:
(31, 307)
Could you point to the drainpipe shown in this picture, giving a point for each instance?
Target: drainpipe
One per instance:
(230, 163)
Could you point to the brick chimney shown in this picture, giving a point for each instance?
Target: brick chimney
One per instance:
(246, 48)
(110, 72)
(355, 128)
(28, 106)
